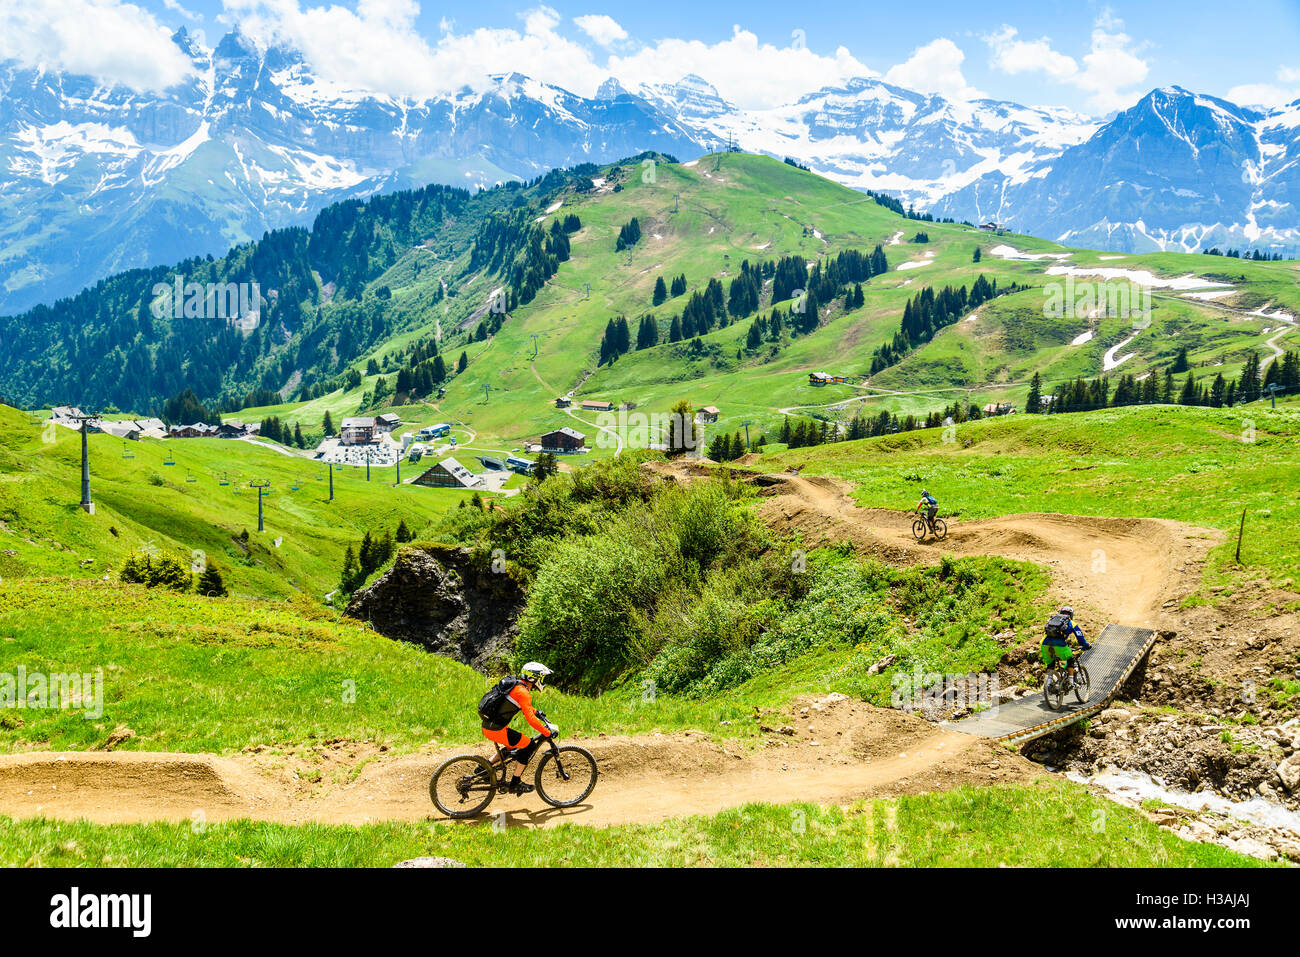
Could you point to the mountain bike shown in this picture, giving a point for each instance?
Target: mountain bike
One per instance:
(1057, 683)
(938, 527)
(464, 785)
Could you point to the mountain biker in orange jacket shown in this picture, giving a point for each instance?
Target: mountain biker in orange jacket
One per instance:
(499, 707)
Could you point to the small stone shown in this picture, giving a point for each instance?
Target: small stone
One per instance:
(882, 664)
(1289, 772)
(1252, 848)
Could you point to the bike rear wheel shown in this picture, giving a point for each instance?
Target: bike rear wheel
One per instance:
(1082, 685)
(940, 529)
(463, 786)
(566, 776)
(919, 529)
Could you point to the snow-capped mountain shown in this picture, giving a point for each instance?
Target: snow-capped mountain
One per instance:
(1177, 171)
(872, 134)
(94, 180)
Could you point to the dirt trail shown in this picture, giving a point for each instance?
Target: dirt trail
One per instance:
(1118, 570)
(833, 750)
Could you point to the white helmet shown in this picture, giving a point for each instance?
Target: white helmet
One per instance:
(536, 672)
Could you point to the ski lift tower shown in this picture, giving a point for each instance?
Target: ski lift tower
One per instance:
(261, 487)
(84, 419)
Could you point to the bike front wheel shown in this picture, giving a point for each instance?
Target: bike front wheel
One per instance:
(1052, 693)
(566, 776)
(940, 529)
(919, 529)
(1082, 685)
(463, 786)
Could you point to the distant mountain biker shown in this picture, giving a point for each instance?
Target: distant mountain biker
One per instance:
(498, 708)
(930, 504)
(1056, 642)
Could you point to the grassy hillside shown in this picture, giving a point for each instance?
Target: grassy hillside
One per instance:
(705, 219)
(177, 509)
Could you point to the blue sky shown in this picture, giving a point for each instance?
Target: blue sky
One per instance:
(1092, 57)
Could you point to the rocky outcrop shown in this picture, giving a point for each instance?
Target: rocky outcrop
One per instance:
(1234, 759)
(447, 600)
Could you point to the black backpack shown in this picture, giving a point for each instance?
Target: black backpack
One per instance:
(1058, 626)
(492, 704)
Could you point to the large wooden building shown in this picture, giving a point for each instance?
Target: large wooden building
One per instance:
(563, 440)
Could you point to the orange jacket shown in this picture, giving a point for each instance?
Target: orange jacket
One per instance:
(520, 696)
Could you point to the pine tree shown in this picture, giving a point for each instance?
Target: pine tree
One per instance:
(351, 571)
(210, 583)
(462, 363)
(545, 467)
(403, 533)
(328, 424)
(660, 293)
(1248, 384)
(1033, 401)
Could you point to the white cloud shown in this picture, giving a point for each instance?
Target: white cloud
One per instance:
(935, 68)
(602, 28)
(114, 42)
(1109, 72)
(751, 74)
(377, 47)
(1269, 95)
(175, 7)
(1012, 55)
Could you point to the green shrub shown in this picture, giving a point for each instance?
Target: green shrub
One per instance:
(154, 571)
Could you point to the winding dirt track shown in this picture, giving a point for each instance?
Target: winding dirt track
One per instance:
(1118, 570)
(834, 750)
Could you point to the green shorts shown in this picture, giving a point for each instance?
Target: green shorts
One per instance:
(1048, 653)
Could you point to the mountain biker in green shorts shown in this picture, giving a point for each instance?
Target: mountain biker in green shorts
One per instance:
(930, 504)
(1056, 643)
